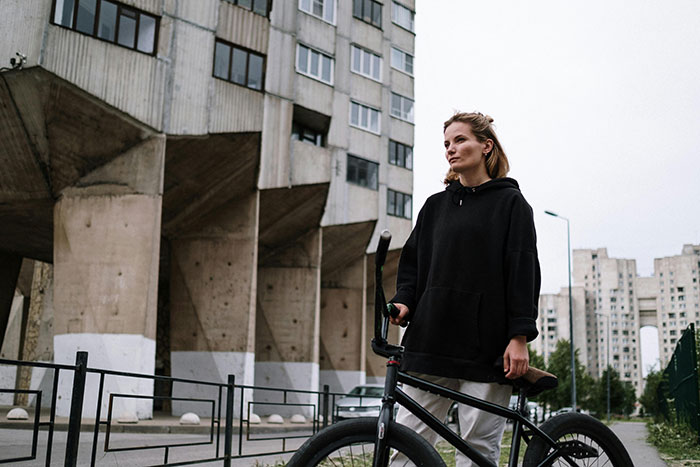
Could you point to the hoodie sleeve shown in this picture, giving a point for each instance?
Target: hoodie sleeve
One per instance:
(522, 272)
(407, 275)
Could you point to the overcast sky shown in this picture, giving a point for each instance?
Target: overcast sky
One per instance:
(597, 105)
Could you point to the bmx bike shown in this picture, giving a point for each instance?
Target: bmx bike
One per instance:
(569, 439)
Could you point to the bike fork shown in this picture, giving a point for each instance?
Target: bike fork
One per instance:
(386, 417)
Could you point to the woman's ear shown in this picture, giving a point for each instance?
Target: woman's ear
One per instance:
(489, 146)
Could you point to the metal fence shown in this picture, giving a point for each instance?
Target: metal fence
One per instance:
(678, 391)
(228, 398)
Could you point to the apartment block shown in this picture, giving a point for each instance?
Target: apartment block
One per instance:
(194, 188)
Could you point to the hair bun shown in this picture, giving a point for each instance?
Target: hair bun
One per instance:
(488, 118)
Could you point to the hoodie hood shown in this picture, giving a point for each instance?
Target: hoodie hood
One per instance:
(459, 192)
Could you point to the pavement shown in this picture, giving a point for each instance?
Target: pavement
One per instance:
(634, 436)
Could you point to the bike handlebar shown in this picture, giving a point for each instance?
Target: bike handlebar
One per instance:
(382, 311)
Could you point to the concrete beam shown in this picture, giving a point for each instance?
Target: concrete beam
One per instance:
(53, 135)
(204, 173)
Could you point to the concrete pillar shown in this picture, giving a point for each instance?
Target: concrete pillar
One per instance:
(37, 336)
(212, 303)
(288, 325)
(106, 252)
(343, 336)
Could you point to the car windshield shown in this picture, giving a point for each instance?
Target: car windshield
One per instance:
(368, 391)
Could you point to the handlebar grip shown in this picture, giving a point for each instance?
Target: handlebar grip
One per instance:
(392, 310)
(382, 247)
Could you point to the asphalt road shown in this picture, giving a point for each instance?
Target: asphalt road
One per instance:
(634, 436)
(17, 443)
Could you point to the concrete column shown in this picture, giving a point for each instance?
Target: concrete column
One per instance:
(106, 253)
(37, 341)
(288, 325)
(212, 303)
(343, 337)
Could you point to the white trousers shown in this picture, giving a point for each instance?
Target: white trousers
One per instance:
(482, 430)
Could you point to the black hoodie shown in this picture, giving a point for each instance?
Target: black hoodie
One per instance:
(470, 277)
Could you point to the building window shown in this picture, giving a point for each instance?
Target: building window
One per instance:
(400, 154)
(402, 61)
(402, 16)
(401, 107)
(362, 172)
(366, 63)
(109, 21)
(398, 204)
(306, 134)
(315, 64)
(260, 7)
(323, 9)
(364, 117)
(368, 11)
(238, 65)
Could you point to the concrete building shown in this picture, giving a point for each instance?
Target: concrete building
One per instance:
(617, 304)
(193, 188)
(677, 297)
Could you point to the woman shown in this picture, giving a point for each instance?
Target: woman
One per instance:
(468, 285)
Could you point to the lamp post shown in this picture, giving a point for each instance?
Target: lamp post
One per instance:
(607, 360)
(571, 311)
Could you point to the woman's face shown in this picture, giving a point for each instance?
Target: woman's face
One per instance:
(463, 151)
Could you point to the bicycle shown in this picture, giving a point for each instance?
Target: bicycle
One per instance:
(572, 439)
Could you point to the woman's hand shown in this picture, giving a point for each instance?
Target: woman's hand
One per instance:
(516, 359)
(403, 312)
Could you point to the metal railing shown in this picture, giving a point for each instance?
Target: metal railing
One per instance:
(679, 386)
(319, 403)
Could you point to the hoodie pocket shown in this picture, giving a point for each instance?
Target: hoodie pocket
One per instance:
(446, 322)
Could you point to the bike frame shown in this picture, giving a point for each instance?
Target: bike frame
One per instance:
(393, 394)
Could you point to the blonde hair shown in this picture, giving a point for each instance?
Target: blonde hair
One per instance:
(481, 125)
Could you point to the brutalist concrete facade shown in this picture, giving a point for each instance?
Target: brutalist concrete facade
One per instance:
(169, 220)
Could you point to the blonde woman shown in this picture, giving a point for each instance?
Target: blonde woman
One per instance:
(468, 285)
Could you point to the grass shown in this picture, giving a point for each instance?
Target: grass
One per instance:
(675, 442)
(447, 451)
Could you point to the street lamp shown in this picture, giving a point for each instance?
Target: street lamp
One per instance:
(607, 360)
(571, 312)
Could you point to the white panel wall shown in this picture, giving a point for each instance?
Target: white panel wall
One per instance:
(243, 27)
(234, 108)
(22, 24)
(131, 81)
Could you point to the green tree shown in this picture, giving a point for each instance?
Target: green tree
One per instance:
(622, 396)
(560, 365)
(649, 399)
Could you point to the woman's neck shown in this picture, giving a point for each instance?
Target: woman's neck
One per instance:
(473, 179)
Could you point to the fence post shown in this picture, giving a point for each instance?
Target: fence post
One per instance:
(228, 432)
(76, 408)
(326, 390)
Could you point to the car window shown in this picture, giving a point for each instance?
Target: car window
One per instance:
(367, 391)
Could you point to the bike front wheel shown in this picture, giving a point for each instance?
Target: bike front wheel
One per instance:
(585, 440)
(351, 443)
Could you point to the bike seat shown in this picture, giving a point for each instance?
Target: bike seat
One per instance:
(535, 381)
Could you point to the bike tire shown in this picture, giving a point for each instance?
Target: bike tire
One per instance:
(352, 443)
(583, 428)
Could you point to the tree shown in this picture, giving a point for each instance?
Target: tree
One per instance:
(560, 365)
(649, 398)
(622, 396)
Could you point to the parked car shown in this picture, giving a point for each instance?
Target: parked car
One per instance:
(362, 401)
